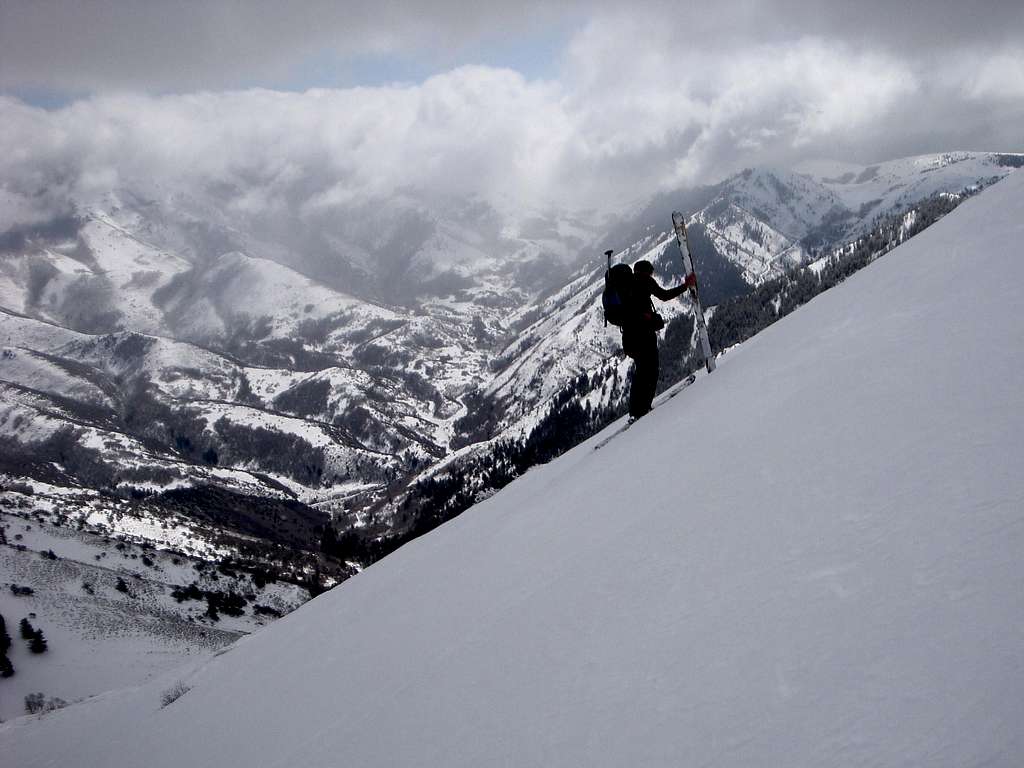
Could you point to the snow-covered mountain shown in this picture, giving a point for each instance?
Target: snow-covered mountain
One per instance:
(168, 363)
(759, 223)
(768, 220)
(811, 556)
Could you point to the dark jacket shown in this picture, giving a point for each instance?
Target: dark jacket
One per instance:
(645, 286)
(645, 322)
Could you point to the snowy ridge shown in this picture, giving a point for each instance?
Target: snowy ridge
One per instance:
(760, 251)
(852, 590)
(792, 203)
(764, 219)
(876, 189)
(36, 371)
(209, 302)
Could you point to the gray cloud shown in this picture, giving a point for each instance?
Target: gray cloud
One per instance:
(640, 101)
(913, 26)
(181, 45)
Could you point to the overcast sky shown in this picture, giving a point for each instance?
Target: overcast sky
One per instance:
(318, 104)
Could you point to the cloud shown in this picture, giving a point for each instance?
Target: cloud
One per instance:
(261, 153)
(160, 46)
(686, 114)
(639, 102)
(180, 45)
(994, 76)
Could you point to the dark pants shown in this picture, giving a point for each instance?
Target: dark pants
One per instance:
(642, 346)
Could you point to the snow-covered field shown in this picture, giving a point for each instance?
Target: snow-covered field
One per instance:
(851, 592)
(101, 637)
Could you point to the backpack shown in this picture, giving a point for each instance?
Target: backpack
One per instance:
(618, 288)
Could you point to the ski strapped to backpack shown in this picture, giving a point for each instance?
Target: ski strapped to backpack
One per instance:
(618, 285)
(679, 223)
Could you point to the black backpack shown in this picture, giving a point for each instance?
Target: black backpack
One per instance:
(618, 288)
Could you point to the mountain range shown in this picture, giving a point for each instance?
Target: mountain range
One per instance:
(810, 556)
(177, 377)
(164, 361)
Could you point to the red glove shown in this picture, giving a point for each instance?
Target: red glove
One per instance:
(691, 280)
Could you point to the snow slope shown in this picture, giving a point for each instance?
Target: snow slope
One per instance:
(883, 187)
(851, 593)
(101, 637)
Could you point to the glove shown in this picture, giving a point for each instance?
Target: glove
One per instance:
(691, 280)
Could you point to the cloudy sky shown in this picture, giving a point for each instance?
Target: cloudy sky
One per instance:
(320, 105)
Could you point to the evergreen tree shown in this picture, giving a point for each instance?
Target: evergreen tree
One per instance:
(26, 628)
(38, 643)
(5, 639)
(6, 668)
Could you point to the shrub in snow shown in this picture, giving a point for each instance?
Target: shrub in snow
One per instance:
(191, 592)
(174, 693)
(36, 703)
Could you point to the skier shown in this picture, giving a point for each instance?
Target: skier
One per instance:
(640, 334)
